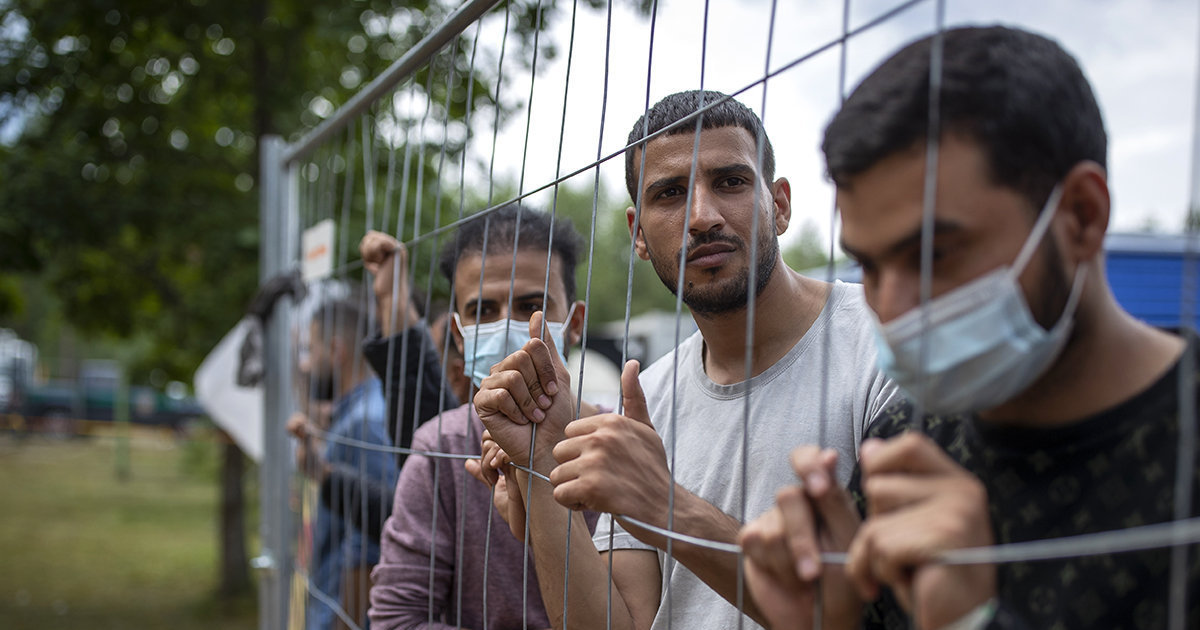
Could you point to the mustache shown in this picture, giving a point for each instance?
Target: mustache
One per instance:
(708, 238)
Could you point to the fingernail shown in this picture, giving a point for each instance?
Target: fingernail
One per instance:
(807, 568)
(817, 482)
(539, 415)
(544, 400)
(552, 388)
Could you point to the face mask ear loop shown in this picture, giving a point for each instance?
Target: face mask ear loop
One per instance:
(468, 362)
(567, 327)
(457, 323)
(1039, 231)
(1073, 298)
(570, 313)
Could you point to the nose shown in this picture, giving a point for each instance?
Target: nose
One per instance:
(704, 214)
(893, 294)
(504, 312)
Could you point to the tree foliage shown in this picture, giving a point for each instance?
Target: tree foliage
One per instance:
(131, 130)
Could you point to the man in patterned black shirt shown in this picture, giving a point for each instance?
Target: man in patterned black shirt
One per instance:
(1048, 411)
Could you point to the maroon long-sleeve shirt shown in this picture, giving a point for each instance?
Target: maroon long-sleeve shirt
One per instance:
(441, 512)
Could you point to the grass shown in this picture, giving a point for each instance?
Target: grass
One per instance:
(81, 549)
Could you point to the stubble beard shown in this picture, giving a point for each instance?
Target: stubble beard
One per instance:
(1055, 288)
(724, 297)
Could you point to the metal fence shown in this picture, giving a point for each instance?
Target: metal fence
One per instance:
(434, 143)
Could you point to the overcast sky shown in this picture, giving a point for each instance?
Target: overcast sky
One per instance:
(1140, 56)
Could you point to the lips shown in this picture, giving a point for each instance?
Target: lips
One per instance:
(709, 254)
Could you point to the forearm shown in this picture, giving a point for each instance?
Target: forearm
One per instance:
(588, 604)
(392, 318)
(400, 599)
(405, 594)
(698, 518)
(408, 365)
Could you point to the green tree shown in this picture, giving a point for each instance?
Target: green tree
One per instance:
(129, 135)
(128, 182)
(609, 261)
(808, 250)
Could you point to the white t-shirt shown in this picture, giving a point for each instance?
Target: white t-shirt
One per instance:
(826, 390)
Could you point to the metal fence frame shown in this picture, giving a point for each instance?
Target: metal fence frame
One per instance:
(279, 225)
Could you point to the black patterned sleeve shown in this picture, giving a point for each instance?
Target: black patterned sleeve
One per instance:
(885, 612)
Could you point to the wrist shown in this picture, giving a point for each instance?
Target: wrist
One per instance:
(543, 460)
(658, 515)
(385, 317)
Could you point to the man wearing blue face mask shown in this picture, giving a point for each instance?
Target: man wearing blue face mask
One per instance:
(487, 343)
(440, 519)
(1068, 409)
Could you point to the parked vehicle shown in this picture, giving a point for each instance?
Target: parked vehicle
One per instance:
(77, 406)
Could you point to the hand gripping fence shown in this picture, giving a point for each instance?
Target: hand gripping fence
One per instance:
(484, 112)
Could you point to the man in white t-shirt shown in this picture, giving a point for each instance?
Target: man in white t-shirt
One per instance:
(811, 377)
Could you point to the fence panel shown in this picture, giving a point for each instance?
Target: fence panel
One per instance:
(468, 136)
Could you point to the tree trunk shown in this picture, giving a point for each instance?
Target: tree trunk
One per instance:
(235, 577)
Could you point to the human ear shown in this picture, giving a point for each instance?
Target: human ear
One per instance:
(456, 334)
(781, 195)
(575, 326)
(1084, 212)
(639, 239)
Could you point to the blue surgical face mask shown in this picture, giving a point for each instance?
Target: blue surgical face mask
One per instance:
(982, 344)
(485, 345)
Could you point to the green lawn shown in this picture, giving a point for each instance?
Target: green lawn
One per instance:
(80, 549)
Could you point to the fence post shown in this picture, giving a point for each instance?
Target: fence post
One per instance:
(275, 560)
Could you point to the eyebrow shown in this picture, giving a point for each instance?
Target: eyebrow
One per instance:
(681, 180)
(913, 239)
(473, 304)
(731, 169)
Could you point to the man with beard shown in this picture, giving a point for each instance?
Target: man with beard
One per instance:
(1054, 412)
(684, 444)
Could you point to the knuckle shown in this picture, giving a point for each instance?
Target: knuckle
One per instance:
(789, 494)
(805, 459)
(910, 442)
(564, 494)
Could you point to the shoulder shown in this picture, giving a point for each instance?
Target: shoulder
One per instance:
(850, 304)
(451, 431)
(367, 401)
(899, 418)
(844, 333)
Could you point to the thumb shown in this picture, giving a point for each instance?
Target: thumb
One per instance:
(548, 368)
(477, 471)
(834, 503)
(537, 330)
(633, 400)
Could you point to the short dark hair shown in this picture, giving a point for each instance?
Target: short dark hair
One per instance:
(341, 317)
(1019, 96)
(501, 226)
(680, 105)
